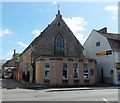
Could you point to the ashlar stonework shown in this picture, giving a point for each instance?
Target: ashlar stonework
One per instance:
(57, 40)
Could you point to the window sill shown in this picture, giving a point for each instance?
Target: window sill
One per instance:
(76, 78)
(86, 79)
(46, 78)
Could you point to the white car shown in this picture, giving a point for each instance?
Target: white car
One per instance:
(7, 75)
(0, 75)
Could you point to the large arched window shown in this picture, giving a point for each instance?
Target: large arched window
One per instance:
(59, 47)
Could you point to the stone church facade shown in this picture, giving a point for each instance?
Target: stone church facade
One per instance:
(55, 57)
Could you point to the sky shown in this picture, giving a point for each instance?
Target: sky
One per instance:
(23, 21)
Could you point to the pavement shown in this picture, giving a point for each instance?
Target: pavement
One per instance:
(79, 88)
(13, 84)
(73, 88)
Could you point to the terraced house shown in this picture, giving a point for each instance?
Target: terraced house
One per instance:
(56, 58)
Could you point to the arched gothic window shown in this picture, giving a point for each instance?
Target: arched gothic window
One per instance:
(59, 47)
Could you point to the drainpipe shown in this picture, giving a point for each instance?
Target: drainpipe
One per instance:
(115, 71)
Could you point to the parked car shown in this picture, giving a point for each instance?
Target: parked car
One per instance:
(0, 75)
(7, 75)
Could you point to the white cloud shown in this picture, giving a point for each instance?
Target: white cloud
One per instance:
(114, 17)
(54, 2)
(5, 31)
(36, 32)
(81, 37)
(111, 8)
(76, 24)
(22, 44)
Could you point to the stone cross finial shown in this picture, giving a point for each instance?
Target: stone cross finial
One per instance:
(58, 6)
(58, 9)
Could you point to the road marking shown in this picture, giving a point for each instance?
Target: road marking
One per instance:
(106, 100)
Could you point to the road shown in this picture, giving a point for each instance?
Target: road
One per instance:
(10, 84)
(106, 95)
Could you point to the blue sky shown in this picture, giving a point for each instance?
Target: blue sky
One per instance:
(23, 21)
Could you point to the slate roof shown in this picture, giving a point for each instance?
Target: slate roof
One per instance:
(2, 62)
(9, 63)
(113, 39)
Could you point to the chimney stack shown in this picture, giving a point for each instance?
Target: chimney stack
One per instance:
(103, 30)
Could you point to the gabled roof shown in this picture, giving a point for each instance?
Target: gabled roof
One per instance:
(113, 39)
(55, 24)
(9, 63)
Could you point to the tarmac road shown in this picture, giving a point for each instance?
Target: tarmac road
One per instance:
(43, 95)
(10, 84)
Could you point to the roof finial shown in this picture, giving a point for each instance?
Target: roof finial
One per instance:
(14, 52)
(58, 14)
(58, 6)
(58, 9)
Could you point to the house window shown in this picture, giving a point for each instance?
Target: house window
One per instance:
(97, 44)
(118, 73)
(59, 45)
(47, 70)
(86, 71)
(76, 72)
(65, 71)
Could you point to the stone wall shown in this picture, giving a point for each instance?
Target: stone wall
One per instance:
(25, 62)
(45, 44)
(56, 71)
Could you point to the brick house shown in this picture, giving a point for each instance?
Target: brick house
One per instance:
(55, 57)
(13, 65)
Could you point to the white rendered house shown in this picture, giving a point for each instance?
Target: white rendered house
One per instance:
(105, 48)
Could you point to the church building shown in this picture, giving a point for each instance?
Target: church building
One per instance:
(55, 58)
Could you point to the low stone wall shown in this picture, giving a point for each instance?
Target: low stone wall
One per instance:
(25, 84)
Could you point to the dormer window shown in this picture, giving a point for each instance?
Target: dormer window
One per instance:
(59, 45)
